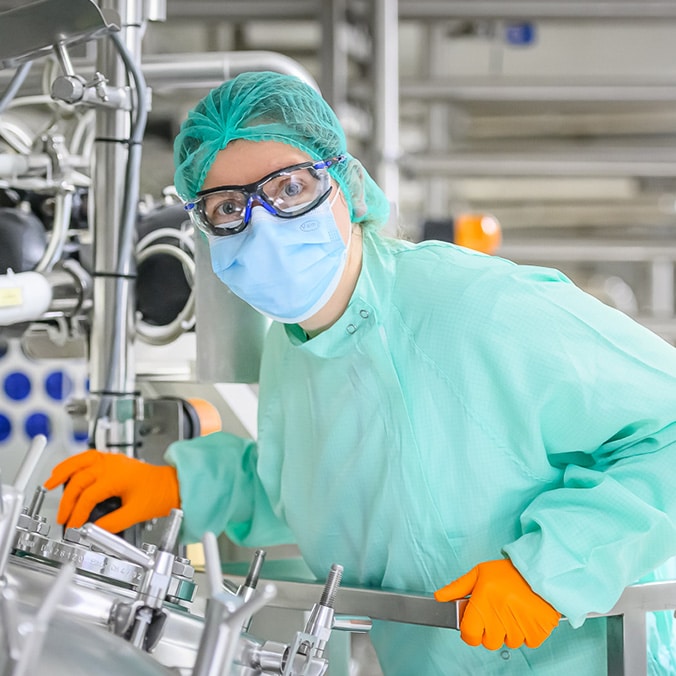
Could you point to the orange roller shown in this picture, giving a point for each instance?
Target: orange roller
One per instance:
(481, 232)
(208, 416)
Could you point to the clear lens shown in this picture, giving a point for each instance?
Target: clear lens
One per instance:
(224, 207)
(288, 192)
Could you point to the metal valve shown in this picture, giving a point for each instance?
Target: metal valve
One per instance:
(142, 620)
(305, 655)
(226, 613)
(30, 518)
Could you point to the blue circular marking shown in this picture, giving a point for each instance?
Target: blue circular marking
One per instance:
(17, 386)
(80, 435)
(58, 385)
(5, 427)
(38, 423)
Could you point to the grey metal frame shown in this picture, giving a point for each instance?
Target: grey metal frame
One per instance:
(627, 645)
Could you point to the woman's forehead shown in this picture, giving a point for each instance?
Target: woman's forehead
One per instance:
(242, 162)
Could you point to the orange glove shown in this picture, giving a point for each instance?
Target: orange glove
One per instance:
(502, 607)
(147, 491)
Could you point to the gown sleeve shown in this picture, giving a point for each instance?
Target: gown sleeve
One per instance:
(597, 391)
(221, 492)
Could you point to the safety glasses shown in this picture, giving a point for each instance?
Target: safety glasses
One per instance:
(289, 192)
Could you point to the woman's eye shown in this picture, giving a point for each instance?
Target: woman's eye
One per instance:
(227, 208)
(223, 209)
(293, 188)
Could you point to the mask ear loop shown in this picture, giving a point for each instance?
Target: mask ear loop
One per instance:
(331, 203)
(335, 197)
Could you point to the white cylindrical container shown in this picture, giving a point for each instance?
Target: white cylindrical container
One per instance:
(24, 297)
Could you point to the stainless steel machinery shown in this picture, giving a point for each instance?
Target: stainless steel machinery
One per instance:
(86, 601)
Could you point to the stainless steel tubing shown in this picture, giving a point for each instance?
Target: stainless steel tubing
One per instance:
(71, 288)
(30, 462)
(63, 202)
(190, 70)
(115, 545)
(363, 602)
(522, 90)
(657, 162)
(209, 69)
(536, 9)
(111, 344)
(626, 626)
(243, 10)
(212, 564)
(386, 99)
(11, 501)
(222, 630)
(15, 84)
(560, 250)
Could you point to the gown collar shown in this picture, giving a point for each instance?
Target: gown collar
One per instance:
(364, 311)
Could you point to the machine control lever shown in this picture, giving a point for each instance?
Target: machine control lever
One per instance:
(226, 613)
(141, 621)
(248, 588)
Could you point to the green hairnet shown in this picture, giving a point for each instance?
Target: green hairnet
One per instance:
(265, 106)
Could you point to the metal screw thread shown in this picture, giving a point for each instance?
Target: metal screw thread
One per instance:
(170, 534)
(36, 501)
(331, 586)
(255, 569)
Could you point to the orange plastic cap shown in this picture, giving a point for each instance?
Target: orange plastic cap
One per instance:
(481, 232)
(208, 415)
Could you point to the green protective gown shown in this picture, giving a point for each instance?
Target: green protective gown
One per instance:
(461, 409)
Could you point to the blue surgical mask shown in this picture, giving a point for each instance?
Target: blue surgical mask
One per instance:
(287, 269)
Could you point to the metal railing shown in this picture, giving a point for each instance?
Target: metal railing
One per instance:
(626, 633)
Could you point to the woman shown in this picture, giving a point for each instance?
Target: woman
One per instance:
(426, 412)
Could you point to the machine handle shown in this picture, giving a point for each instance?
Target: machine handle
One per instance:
(115, 545)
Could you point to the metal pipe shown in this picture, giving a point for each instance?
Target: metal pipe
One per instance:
(15, 84)
(558, 250)
(332, 54)
(365, 602)
(386, 102)
(524, 91)
(222, 630)
(425, 610)
(172, 526)
(662, 287)
(246, 10)
(11, 502)
(626, 645)
(183, 71)
(115, 545)
(654, 162)
(192, 70)
(30, 462)
(212, 564)
(111, 342)
(535, 9)
(63, 202)
(243, 10)
(437, 119)
(71, 289)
